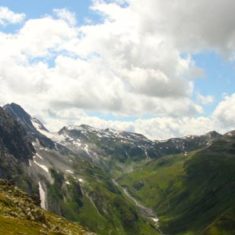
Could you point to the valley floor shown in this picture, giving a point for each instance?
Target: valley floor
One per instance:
(146, 212)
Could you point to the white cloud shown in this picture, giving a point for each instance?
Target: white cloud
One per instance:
(97, 67)
(9, 17)
(153, 128)
(156, 128)
(66, 15)
(205, 100)
(136, 62)
(203, 24)
(224, 113)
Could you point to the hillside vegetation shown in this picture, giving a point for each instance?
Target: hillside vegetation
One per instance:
(191, 194)
(113, 182)
(20, 215)
(97, 204)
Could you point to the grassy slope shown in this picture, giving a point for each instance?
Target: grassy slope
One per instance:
(96, 203)
(192, 195)
(151, 182)
(20, 215)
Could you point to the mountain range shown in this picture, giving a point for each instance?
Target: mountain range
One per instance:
(117, 182)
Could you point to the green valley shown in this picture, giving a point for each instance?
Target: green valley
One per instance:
(191, 194)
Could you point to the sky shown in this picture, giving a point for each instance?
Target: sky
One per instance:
(161, 68)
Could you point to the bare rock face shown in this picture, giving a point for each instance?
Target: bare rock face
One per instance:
(26, 121)
(13, 138)
(15, 152)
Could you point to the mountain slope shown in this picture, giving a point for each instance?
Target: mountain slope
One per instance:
(72, 185)
(27, 122)
(186, 144)
(13, 138)
(20, 215)
(116, 149)
(74, 174)
(16, 151)
(191, 194)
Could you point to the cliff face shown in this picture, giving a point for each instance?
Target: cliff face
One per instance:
(15, 152)
(26, 121)
(13, 138)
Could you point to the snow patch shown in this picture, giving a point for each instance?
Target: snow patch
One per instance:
(155, 220)
(80, 180)
(39, 156)
(86, 148)
(146, 154)
(69, 171)
(42, 195)
(53, 136)
(45, 168)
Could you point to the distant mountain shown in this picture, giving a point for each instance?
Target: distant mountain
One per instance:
(191, 194)
(123, 146)
(108, 144)
(74, 171)
(186, 144)
(127, 146)
(230, 134)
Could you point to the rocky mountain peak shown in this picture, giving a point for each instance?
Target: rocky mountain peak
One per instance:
(31, 125)
(13, 138)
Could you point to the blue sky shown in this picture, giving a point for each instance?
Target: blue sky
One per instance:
(138, 79)
(37, 9)
(218, 79)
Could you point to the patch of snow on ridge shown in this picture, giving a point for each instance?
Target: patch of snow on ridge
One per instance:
(86, 148)
(80, 180)
(53, 136)
(45, 168)
(36, 124)
(76, 143)
(39, 156)
(69, 171)
(155, 220)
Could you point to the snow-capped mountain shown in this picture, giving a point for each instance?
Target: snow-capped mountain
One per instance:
(186, 144)
(71, 170)
(99, 144)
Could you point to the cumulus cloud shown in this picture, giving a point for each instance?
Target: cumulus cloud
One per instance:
(137, 61)
(9, 17)
(66, 15)
(203, 24)
(101, 67)
(153, 128)
(156, 128)
(205, 99)
(224, 113)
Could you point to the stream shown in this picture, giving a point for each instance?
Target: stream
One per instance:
(146, 212)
